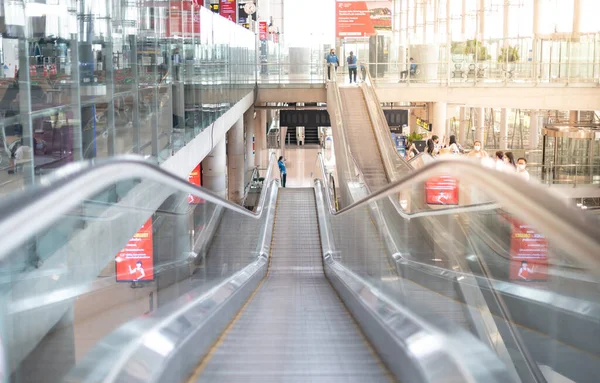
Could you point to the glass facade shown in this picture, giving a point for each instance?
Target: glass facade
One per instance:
(85, 79)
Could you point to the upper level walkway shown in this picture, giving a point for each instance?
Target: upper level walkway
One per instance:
(551, 88)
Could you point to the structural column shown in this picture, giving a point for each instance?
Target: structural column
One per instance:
(462, 129)
(214, 170)
(534, 129)
(440, 117)
(235, 169)
(250, 138)
(260, 133)
(480, 131)
(481, 26)
(463, 19)
(504, 129)
(505, 24)
(576, 17)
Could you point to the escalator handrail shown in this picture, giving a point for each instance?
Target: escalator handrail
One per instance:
(72, 184)
(429, 213)
(529, 202)
(392, 160)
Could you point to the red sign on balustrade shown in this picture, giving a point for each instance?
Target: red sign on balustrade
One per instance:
(135, 262)
(441, 190)
(195, 179)
(528, 253)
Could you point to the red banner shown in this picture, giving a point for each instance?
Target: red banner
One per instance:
(262, 30)
(195, 179)
(228, 10)
(528, 253)
(441, 190)
(362, 18)
(136, 261)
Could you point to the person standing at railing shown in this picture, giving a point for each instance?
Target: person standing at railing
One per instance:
(351, 61)
(332, 60)
(363, 71)
(412, 70)
(282, 170)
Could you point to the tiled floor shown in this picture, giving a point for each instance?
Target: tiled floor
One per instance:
(302, 164)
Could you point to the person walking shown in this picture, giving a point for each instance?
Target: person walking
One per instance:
(282, 170)
(331, 60)
(351, 60)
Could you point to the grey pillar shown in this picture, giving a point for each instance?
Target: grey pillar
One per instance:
(504, 129)
(480, 132)
(462, 130)
(236, 168)
(250, 139)
(214, 170)
(260, 133)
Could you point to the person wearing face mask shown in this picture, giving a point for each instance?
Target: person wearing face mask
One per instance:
(477, 152)
(521, 168)
(436, 144)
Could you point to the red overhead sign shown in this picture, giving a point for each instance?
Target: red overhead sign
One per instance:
(136, 261)
(528, 253)
(441, 190)
(361, 18)
(195, 179)
(262, 30)
(228, 10)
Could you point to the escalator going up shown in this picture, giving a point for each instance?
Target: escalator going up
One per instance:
(361, 137)
(294, 327)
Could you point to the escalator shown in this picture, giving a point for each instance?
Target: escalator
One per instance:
(294, 321)
(442, 298)
(429, 273)
(361, 138)
(281, 294)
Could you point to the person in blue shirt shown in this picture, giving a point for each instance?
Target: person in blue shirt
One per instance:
(351, 60)
(331, 60)
(412, 69)
(282, 171)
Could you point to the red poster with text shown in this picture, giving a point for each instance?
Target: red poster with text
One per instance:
(136, 261)
(195, 179)
(262, 30)
(528, 253)
(183, 19)
(362, 18)
(441, 190)
(228, 10)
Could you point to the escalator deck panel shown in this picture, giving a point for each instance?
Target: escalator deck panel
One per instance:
(295, 328)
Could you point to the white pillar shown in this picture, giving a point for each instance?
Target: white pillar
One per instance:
(214, 170)
(424, 5)
(536, 17)
(440, 117)
(505, 24)
(534, 129)
(250, 139)
(462, 130)
(260, 134)
(573, 117)
(480, 131)
(504, 129)
(481, 26)
(576, 17)
(235, 163)
(463, 19)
